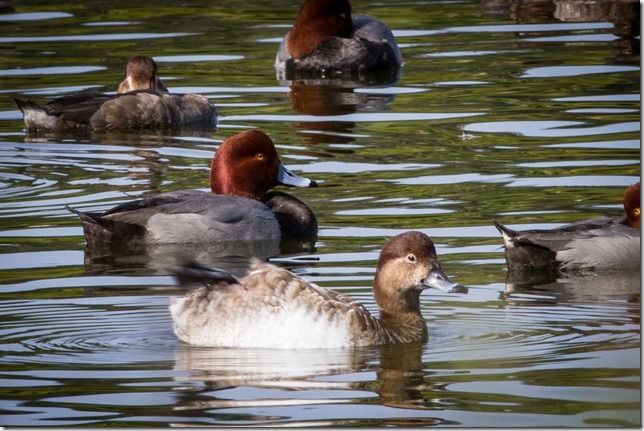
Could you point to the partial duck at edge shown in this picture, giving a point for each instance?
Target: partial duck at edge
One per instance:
(599, 244)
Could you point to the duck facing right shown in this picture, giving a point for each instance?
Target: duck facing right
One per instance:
(273, 308)
(595, 244)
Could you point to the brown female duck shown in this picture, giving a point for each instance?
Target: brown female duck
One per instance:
(142, 102)
(273, 308)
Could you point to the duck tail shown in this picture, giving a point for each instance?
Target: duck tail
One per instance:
(27, 105)
(86, 217)
(101, 231)
(504, 230)
(191, 272)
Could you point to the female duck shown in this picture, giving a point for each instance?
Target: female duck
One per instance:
(239, 208)
(604, 243)
(273, 308)
(142, 102)
(326, 37)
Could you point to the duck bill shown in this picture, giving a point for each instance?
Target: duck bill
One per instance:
(438, 280)
(288, 178)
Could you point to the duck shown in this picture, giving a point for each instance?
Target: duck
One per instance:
(326, 38)
(142, 102)
(272, 308)
(238, 207)
(595, 244)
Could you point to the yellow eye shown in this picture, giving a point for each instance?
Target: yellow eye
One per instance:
(636, 211)
(260, 156)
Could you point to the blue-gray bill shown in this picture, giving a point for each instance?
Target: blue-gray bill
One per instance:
(438, 280)
(288, 178)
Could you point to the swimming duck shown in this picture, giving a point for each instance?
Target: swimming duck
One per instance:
(327, 38)
(603, 243)
(273, 308)
(238, 208)
(142, 102)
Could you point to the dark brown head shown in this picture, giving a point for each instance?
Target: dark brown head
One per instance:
(632, 205)
(141, 74)
(407, 265)
(317, 20)
(247, 165)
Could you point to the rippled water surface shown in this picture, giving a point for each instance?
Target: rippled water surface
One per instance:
(527, 113)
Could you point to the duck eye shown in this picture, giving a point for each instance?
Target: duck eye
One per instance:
(260, 156)
(411, 258)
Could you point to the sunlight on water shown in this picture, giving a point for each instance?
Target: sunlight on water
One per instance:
(523, 113)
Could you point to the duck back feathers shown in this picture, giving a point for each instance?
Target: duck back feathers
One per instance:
(273, 308)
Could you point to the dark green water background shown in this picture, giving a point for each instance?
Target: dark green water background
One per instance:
(528, 113)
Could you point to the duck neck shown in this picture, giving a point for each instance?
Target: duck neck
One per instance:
(404, 328)
(399, 307)
(224, 181)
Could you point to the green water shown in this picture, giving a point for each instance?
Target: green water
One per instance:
(516, 116)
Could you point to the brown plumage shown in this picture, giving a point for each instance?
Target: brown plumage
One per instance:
(143, 102)
(273, 308)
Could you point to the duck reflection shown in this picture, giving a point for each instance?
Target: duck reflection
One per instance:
(146, 137)
(337, 97)
(232, 256)
(327, 100)
(625, 15)
(402, 378)
(346, 376)
(136, 153)
(588, 286)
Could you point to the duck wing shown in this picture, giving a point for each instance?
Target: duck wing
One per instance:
(151, 108)
(184, 216)
(192, 271)
(610, 247)
(270, 308)
(580, 245)
(77, 107)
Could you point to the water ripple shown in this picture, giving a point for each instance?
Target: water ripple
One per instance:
(92, 327)
(93, 37)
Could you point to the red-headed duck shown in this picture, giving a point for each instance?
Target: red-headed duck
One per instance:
(327, 38)
(273, 308)
(142, 102)
(238, 208)
(603, 243)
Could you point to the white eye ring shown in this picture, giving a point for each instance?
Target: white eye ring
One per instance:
(411, 258)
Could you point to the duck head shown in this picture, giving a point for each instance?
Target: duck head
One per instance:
(407, 265)
(317, 20)
(247, 165)
(632, 205)
(141, 74)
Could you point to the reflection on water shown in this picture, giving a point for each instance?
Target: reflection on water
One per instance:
(306, 378)
(624, 15)
(332, 97)
(577, 287)
(528, 112)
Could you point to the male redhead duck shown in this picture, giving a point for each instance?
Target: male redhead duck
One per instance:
(142, 102)
(603, 243)
(244, 168)
(273, 308)
(327, 38)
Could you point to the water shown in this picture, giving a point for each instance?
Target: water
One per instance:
(529, 115)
